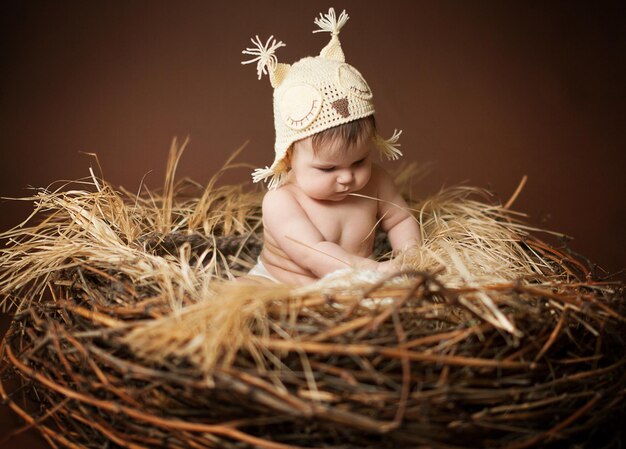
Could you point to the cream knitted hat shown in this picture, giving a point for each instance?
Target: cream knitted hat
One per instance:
(312, 95)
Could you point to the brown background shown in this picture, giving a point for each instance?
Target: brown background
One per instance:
(488, 91)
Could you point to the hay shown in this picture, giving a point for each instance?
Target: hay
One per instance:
(130, 332)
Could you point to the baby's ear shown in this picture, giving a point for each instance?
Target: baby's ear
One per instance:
(287, 158)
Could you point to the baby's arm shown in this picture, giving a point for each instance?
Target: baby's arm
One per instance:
(399, 224)
(288, 223)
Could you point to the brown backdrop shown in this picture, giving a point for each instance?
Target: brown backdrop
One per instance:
(488, 91)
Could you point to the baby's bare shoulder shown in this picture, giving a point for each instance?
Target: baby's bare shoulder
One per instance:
(280, 204)
(279, 198)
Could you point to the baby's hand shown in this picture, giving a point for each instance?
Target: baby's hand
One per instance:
(388, 266)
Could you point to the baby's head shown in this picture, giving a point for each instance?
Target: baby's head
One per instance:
(319, 101)
(335, 162)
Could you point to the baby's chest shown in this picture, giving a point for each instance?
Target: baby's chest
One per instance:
(349, 225)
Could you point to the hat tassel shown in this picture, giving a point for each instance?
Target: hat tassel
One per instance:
(389, 147)
(270, 176)
(330, 23)
(263, 55)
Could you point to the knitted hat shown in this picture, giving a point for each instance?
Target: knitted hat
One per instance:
(313, 94)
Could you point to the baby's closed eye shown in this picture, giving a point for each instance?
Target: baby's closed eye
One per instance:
(326, 169)
(332, 167)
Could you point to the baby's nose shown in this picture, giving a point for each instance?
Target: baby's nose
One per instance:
(345, 177)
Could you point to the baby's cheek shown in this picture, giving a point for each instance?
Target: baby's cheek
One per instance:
(316, 184)
(325, 181)
(363, 175)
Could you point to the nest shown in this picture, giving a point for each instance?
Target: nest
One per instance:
(129, 330)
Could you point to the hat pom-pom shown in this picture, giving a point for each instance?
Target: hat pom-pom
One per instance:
(263, 54)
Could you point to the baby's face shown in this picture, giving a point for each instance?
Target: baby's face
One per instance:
(333, 171)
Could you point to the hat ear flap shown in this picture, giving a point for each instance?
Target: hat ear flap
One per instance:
(331, 24)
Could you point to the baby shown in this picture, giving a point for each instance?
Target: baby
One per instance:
(326, 196)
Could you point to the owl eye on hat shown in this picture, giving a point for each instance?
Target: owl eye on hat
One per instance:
(313, 94)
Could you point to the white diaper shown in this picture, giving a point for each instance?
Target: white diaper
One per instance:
(260, 270)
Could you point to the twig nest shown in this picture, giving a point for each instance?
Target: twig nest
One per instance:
(127, 337)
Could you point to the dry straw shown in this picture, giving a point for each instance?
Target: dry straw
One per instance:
(130, 332)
